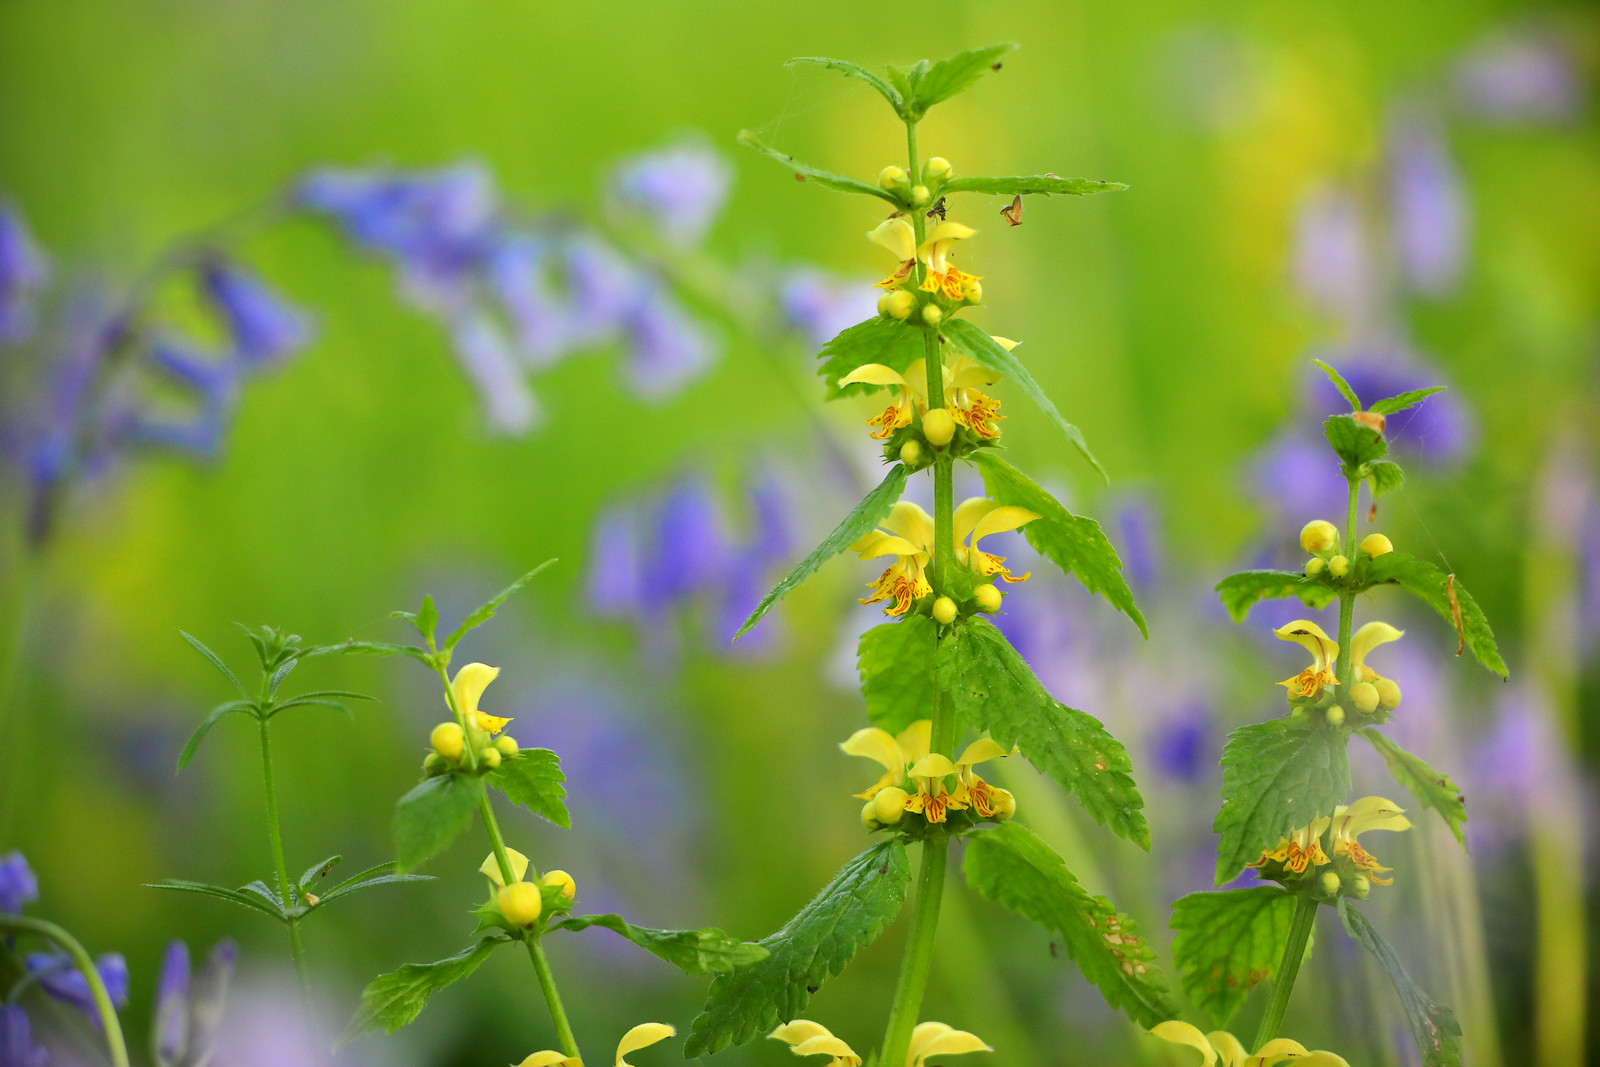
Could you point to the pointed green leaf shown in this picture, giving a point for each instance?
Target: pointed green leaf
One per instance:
(310, 702)
(432, 815)
(427, 619)
(896, 664)
(1030, 185)
(355, 886)
(382, 868)
(215, 660)
(873, 509)
(1014, 868)
(1384, 476)
(1228, 943)
(1340, 384)
(1239, 592)
(707, 951)
(950, 76)
(382, 648)
(1276, 777)
(318, 871)
(253, 901)
(392, 1000)
(533, 779)
(218, 713)
(846, 916)
(806, 172)
(1075, 544)
(877, 340)
(1432, 789)
(974, 342)
(851, 70)
(1434, 588)
(280, 674)
(1433, 1026)
(993, 689)
(1356, 445)
(485, 611)
(1390, 405)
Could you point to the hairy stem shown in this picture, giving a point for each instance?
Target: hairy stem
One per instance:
(275, 833)
(1305, 917)
(85, 964)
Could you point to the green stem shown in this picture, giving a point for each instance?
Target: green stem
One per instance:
(919, 951)
(552, 996)
(296, 947)
(1305, 917)
(1347, 598)
(85, 964)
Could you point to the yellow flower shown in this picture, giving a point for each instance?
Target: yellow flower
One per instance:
(979, 518)
(910, 393)
(973, 791)
(641, 1036)
(942, 276)
(1324, 651)
(491, 867)
(932, 800)
(1298, 851)
(894, 754)
(898, 236)
(1222, 1049)
(806, 1038)
(908, 536)
(1364, 641)
(936, 1039)
(1350, 822)
(969, 405)
(467, 687)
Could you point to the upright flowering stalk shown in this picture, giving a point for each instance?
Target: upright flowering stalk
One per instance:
(939, 668)
(1285, 812)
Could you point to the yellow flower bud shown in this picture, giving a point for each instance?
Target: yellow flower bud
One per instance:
(944, 611)
(973, 292)
(1318, 535)
(447, 740)
(1330, 883)
(1315, 566)
(489, 758)
(507, 745)
(920, 196)
(520, 903)
(433, 764)
(988, 597)
(1338, 566)
(1376, 545)
(898, 304)
(1364, 695)
(891, 177)
(936, 170)
(1388, 693)
(869, 816)
(561, 880)
(1336, 716)
(312, 900)
(1005, 805)
(1360, 887)
(932, 315)
(889, 806)
(911, 452)
(938, 425)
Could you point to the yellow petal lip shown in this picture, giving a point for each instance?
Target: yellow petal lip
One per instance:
(1279, 1048)
(491, 866)
(469, 683)
(1369, 637)
(936, 1039)
(910, 522)
(887, 546)
(798, 1030)
(878, 745)
(1181, 1033)
(874, 374)
(826, 1045)
(1000, 520)
(967, 514)
(1371, 813)
(897, 236)
(981, 751)
(1310, 636)
(548, 1058)
(933, 765)
(640, 1036)
(916, 740)
(1004, 342)
(944, 234)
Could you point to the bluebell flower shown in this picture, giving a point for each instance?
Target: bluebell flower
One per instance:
(189, 1010)
(689, 547)
(213, 382)
(1298, 478)
(262, 326)
(616, 563)
(1521, 78)
(520, 275)
(602, 287)
(18, 885)
(1332, 263)
(22, 271)
(679, 190)
(821, 307)
(485, 354)
(667, 348)
(169, 1035)
(1427, 206)
(1184, 746)
(60, 979)
(16, 1040)
(1139, 541)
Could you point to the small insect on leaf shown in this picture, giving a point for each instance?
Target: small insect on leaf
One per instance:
(996, 66)
(1013, 213)
(1455, 613)
(799, 177)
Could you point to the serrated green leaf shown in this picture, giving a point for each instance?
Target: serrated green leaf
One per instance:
(318, 870)
(812, 947)
(432, 815)
(1227, 943)
(974, 342)
(950, 76)
(994, 690)
(896, 664)
(836, 182)
(852, 70)
(1014, 868)
(1433, 587)
(1390, 405)
(1433, 1026)
(1075, 544)
(1384, 476)
(533, 778)
(218, 713)
(872, 509)
(254, 901)
(485, 611)
(707, 951)
(1030, 185)
(877, 340)
(1356, 445)
(215, 660)
(1340, 384)
(392, 1000)
(1276, 777)
(1432, 789)
(1239, 592)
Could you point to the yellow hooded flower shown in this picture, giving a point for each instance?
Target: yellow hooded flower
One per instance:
(1222, 1049)
(806, 1038)
(1351, 821)
(969, 405)
(932, 800)
(1324, 651)
(1364, 641)
(467, 688)
(907, 535)
(898, 236)
(1298, 851)
(971, 790)
(641, 1036)
(942, 276)
(979, 518)
(936, 1039)
(894, 754)
(491, 867)
(910, 393)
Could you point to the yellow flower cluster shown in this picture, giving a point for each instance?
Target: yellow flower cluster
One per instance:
(806, 1038)
(908, 535)
(1222, 1049)
(1303, 851)
(915, 780)
(450, 741)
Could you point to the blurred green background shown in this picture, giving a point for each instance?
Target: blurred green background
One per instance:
(1169, 322)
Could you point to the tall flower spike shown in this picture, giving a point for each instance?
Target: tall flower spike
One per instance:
(979, 518)
(1324, 651)
(943, 277)
(900, 239)
(936, 1039)
(1221, 1049)
(1364, 641)
(907, 535)
(1350, 822)
(806, 1038)
(467, 687)
(894, 754)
